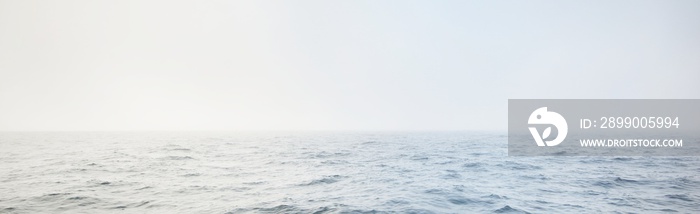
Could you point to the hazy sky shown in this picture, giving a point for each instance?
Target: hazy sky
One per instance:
(331, 65)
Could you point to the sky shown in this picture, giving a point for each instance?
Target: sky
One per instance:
(97, 65)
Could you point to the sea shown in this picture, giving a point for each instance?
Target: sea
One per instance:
(326, 172)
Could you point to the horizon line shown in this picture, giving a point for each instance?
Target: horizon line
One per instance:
(274, 130)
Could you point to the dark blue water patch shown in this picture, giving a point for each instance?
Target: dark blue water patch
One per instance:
(683, 183)
(542, 202)
(459, 188)
(622, 180)
(451, 174)
(419, 157)
(510, 165)
(255, 183)
(509, 209)
(679, 164)
(192, 175)
(477, 154)
(649, 164)
(621, 202)
(131, 205)
(676, 159)
(446, 162)
(120, 207)
(370, 142)
(326, 180)
(437, 191)
(494, 196)
(82, 200)
(321, 210)
(552, 190)
(191, 188)
(77, 198)
(618, 181)
(145, 187)
(573, 205)
(405, 170)
(591, 192)
(57, 194)
(284, 208)
(604, 184)
(417, 211)
(460, 200)
(334, 162)
(280, 209)
(622, 159)
(175, 147)
(473, 165)
(664, 202)
(51, 197)
(175, 157)
(358, 211)
(592, 160)
(324, 154)
(534, 177)
(559, 153)
(397, 202)
(682, 197)
(235, 189)
(476, 167)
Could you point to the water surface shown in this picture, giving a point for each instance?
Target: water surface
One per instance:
(326, 172)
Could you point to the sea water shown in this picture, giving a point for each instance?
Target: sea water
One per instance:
(326, 172)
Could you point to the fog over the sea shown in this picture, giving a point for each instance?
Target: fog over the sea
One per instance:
(331, 65)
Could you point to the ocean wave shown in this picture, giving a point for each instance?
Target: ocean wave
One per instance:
(508, 209)
(325, 180)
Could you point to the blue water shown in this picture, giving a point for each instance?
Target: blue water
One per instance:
(326, 172)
